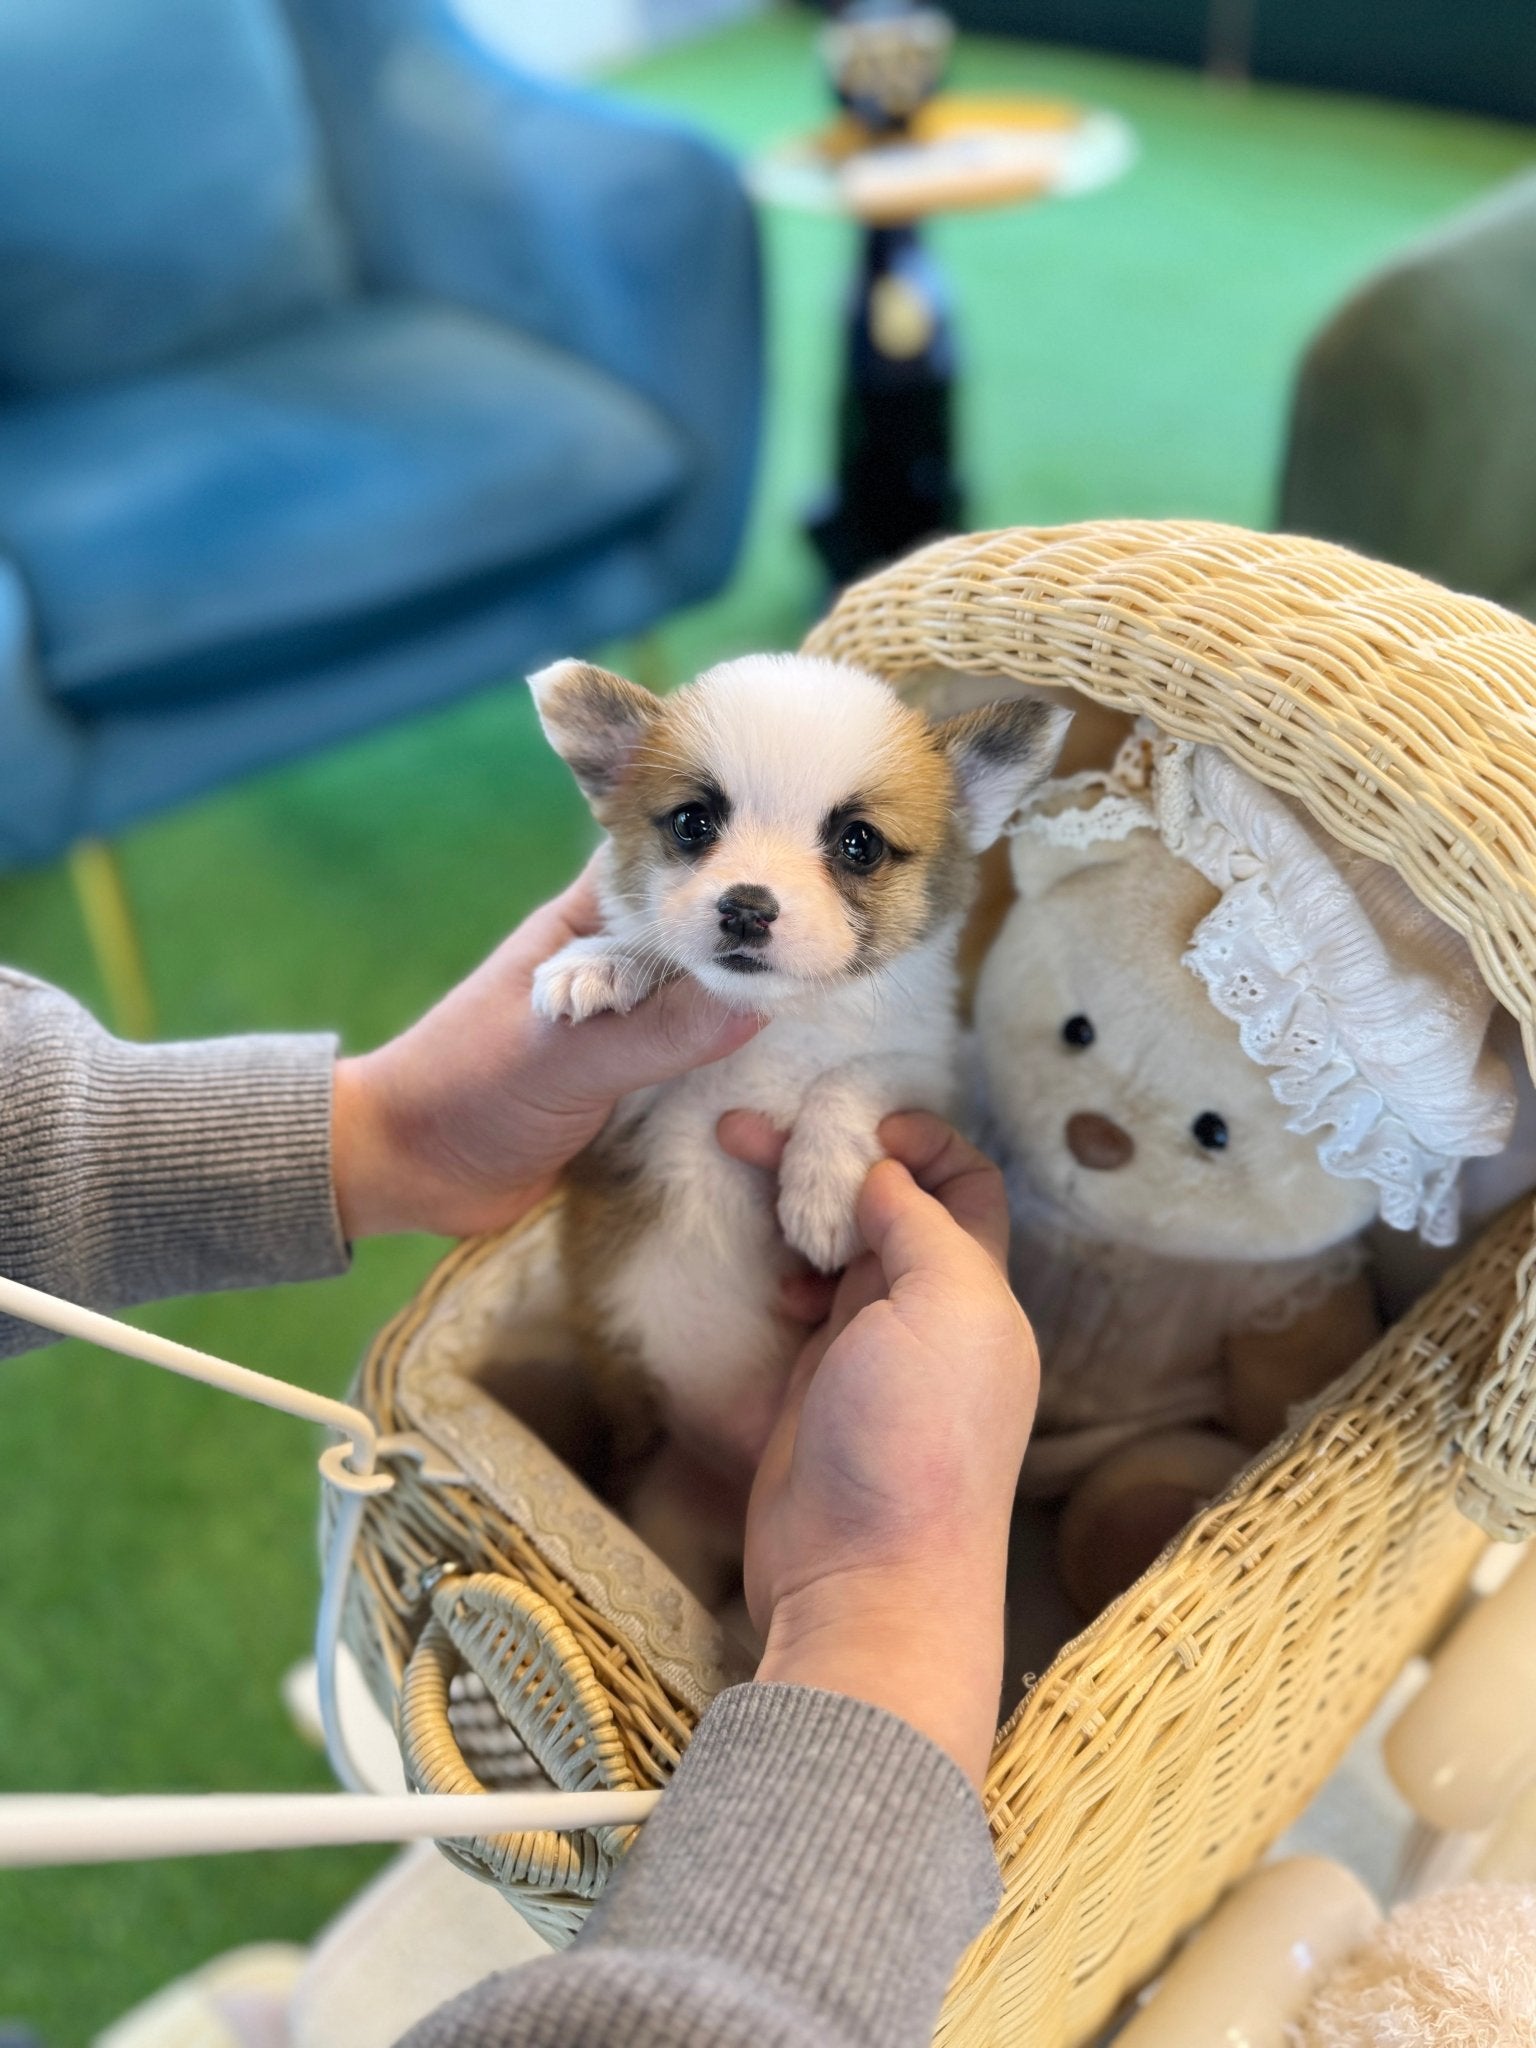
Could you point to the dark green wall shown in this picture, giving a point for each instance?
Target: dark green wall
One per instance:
(1479, 54)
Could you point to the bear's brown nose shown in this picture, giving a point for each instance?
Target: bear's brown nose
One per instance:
(1095, 1142)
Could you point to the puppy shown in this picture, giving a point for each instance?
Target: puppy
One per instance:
(802, 844)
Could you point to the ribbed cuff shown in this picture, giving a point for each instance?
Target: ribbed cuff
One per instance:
(819, 1843)
(215, 1162)
(140, 1171)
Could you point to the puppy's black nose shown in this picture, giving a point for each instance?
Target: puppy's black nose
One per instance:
(746, 913)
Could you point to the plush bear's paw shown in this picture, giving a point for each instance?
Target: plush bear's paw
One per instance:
(1126, 1509)
(819, 1186)
(585, 978)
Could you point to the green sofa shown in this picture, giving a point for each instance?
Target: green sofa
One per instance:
(1413, 427)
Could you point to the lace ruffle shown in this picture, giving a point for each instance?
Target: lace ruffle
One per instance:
(1261, 1295)
(1084, 810)
(1285, 1026)
(1367, 1010)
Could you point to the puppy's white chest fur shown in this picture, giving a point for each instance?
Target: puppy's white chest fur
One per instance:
(695, 1294)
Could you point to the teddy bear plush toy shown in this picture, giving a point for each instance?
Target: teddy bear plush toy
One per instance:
(1212, 1047)
(1454, 1970)
(1299, 1956)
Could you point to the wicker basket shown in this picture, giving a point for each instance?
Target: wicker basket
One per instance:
(1186, 1727)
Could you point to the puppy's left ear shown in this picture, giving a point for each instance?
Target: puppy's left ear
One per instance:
(999, 753)
(594, 720)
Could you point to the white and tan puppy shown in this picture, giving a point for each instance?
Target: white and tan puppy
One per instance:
(802, 844)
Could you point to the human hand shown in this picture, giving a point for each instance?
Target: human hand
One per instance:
(463, 1122)
(877, 1535)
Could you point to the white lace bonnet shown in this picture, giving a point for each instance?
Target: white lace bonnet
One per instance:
(1367, 1009)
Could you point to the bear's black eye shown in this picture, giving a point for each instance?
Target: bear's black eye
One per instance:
(1078, 1033)
(1210, 1130)
(693, 826)
(860, 845)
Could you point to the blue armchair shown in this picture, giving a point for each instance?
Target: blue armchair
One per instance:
(343, 369)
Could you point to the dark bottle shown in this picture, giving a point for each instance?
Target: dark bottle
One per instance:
(896, 483)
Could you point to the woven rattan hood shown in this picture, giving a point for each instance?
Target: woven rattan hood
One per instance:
(1401, 716)
(1171, 1742)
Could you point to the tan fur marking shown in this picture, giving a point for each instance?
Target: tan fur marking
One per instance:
(910, 800)
(661, 776)
(594, 719)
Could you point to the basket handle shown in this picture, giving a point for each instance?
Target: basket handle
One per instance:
(545, 1689)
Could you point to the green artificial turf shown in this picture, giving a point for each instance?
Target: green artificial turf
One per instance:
(1127, 353)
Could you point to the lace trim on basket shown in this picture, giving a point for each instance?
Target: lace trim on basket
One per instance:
(1308, 1284)
(1111, 815)
(1265, 1295)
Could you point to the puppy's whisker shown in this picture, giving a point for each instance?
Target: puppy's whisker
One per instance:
(648, 946)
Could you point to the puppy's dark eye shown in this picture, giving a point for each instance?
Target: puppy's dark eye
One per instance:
(1078, 1032)
(1210, 1130)
(693, 826)
(860, 845)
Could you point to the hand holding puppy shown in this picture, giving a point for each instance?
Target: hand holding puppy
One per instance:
(463, 1122)
(878, 1531)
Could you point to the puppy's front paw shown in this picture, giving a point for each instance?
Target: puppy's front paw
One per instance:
(819, 1186)
(585, 978)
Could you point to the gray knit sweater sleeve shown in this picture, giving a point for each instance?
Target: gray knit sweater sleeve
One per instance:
(131, 1172)
(810, 1880)
(816, 1867)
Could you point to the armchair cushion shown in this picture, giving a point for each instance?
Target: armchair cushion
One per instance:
(202, 528)
(161, 186)
(603, 228)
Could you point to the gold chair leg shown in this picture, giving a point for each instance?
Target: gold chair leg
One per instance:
(108, 916)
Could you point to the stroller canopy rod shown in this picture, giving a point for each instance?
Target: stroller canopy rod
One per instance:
(350, 1465)
(89, 1828)
(67, 1319)
(47, 1828)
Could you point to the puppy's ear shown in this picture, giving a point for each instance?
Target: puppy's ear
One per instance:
(999, 753)
(594, 720)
